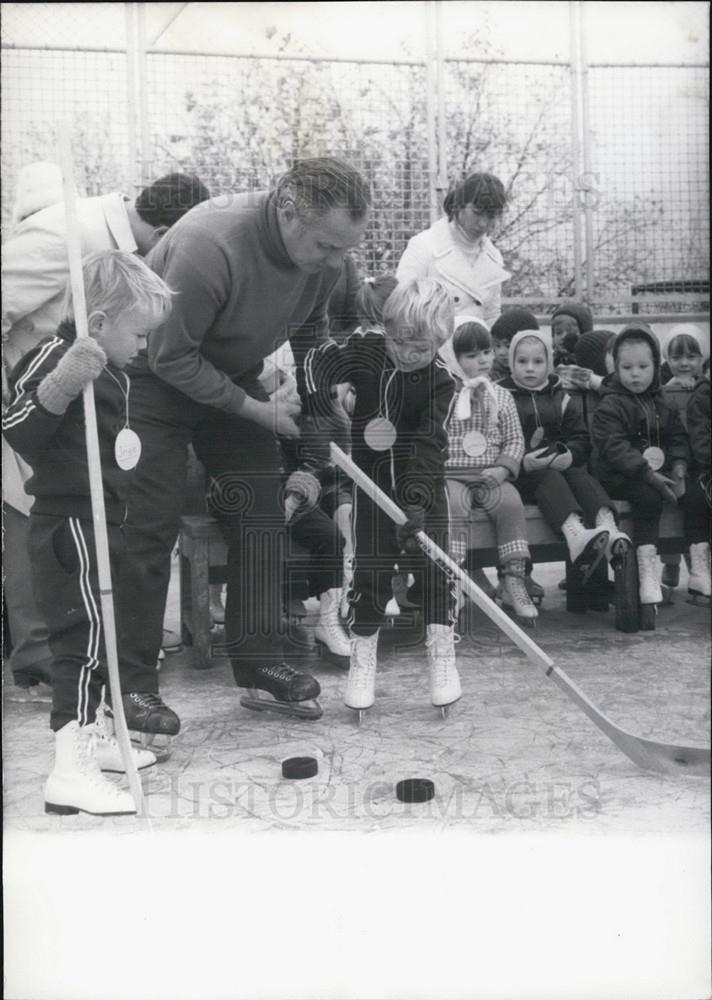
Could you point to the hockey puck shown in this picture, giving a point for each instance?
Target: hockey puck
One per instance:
(415, 790)
(299, 767)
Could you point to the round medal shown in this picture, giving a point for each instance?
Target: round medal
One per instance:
(474, 444)
(655, 457)
(127, 449)
(537, 437)
(380, 434)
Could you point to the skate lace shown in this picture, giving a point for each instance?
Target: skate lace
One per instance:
(90, 766)
(146, 699)
(281, 672)
(443, 653)
(517, 588)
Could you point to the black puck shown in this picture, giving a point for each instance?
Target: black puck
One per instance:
(299, 767)
(415, 790)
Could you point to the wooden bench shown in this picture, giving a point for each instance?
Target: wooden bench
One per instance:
(203, 558)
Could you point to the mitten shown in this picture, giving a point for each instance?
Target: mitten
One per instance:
(305, 489)
(406, 534)
(534, 460)
(82, 363)
(562, 459)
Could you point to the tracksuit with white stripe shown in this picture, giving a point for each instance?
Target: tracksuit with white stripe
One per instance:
(61, 532)
(416, 406)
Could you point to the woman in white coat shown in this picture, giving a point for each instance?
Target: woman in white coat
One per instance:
(457, 248)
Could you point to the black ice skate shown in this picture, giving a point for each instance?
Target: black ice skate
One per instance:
(151, 722)
(286, 691)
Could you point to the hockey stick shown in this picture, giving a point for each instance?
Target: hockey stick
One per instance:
(96, 484)
(647, 754)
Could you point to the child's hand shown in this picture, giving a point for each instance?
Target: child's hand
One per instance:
(497, 472)
(406, 533)
(664, 485)
(302, 492)
(682, 382)
(83, 362)
(678, 474)
(277, 414)
(535, 460)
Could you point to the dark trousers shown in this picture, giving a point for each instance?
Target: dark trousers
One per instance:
(696, 513)
(67, 594)
(646, 504)
(375, 552)
(314, 560)
(242, 462)
(27, 628)
(559, 494)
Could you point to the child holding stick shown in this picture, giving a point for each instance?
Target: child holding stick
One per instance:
(403, 396)
(45, 424)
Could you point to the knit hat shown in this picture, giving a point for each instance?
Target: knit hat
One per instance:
(590, 350)
(639, 331)
(582, 315)
(511, 322)
(537, 335)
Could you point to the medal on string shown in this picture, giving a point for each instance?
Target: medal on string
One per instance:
(474, 444)
(380, 434)
(127, 446)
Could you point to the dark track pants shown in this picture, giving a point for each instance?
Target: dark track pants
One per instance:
(375, 552)
(66, 590)
(558, 494)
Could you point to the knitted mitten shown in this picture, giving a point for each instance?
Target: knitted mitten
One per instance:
(81, 364)
(302, 493)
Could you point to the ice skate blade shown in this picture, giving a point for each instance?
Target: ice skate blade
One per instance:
(591, 556)
(360, 712)
(158, 743)
(54, 809)
(311, 710)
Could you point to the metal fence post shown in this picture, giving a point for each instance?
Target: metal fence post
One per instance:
(441, 183)
(430, 103)
(143, 94)
(575, 146)
(130, 10)
(587, 159)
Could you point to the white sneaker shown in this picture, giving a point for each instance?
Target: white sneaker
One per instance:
(330, 632)
(361, 685)
(76, 784)
(444, 678)
(649, 591)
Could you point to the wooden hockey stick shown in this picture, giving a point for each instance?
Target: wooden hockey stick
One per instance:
(647, 754)
(96, 484)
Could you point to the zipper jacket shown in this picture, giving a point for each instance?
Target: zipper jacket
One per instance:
(553, 411)
(55, 445)
(416, 404)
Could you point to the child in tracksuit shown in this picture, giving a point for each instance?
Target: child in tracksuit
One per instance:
(557, 447)
(45, 424)
(485, 452)
(403, 396)
(642, 453)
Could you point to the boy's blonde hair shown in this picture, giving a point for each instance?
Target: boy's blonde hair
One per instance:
(117, 283)
(422, 307)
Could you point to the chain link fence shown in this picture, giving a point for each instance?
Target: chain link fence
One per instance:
(640, 215)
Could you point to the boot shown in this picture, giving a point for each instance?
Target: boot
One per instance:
(76, 784)
(444, 679)
(329, 632)
(698, 584)
(618, 541)
(648, 576)
(534, 589)
(147, 713)
(361, 685)
(587, 546)
(514, 593)
(106, 748)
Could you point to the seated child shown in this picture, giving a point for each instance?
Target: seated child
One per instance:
(403, 393)
(485, 451)
(569, 321)
(698, 429)
(642, 452)
(503, 329)
(557, 447)
(593, 362)
(45, 424)
(678, 377)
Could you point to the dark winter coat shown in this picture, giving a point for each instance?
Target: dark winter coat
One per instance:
(55, 446)
(698, 425)
(557, 412)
